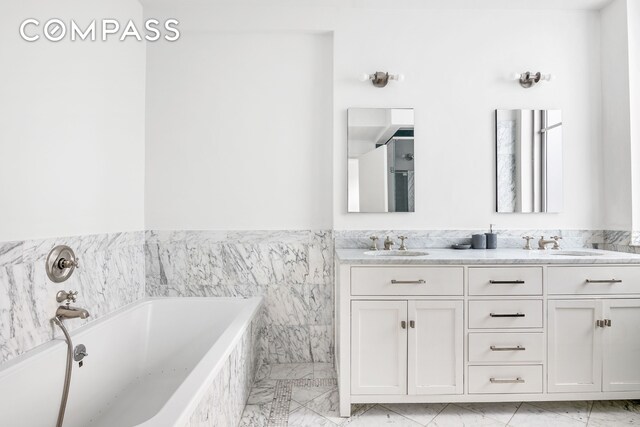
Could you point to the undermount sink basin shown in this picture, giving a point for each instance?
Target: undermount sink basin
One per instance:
(576, 253)
(397, 253)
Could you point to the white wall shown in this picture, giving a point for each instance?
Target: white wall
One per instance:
(71, 125)
(455, 62)
(239, 131)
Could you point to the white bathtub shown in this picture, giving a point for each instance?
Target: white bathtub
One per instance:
(149, 364)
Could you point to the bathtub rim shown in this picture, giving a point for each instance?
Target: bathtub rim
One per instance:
(198, 380)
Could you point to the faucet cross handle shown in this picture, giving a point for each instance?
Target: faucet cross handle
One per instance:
(402, 245)
(527, 246)
(69, 297)
(68, 263)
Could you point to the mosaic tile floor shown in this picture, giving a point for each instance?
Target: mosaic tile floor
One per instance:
(306, 394)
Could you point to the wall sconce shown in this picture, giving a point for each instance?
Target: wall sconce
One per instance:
(381, 78)
(529, 79)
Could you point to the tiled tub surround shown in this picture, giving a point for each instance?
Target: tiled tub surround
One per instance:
(111, 275)
(224, 401)
(292, 270)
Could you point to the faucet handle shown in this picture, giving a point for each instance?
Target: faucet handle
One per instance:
(556, 237)
(402, 245)
(374, 245)
(527, 246)
(69, 297)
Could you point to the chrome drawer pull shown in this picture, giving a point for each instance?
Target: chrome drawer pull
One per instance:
(513, 381)
(408, 282)
(506, 315)
(506, 282)
(604, 281)
(518, 348)
(403, 324)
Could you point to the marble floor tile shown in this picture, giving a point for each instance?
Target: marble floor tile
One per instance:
(262, 392)
(379, 416)
(610, 413)
(578, 410)
(456, 416)
(263, 372)
(500, 411)
(421, 413)
(328, 405)
(304, 417)
(303, 395)
(291, 371)
(255, 415)
(532, 416)
(324, 370)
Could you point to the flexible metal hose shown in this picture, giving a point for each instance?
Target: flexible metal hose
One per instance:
(67, 375)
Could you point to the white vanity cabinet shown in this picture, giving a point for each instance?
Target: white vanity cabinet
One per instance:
(594, 345)
(486, 333)
(392, 349)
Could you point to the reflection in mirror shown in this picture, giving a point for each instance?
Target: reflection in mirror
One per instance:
(381, 160)
(529, 160)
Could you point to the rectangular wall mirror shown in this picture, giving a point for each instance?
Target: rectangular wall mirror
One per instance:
(381, 160)
(529, 161)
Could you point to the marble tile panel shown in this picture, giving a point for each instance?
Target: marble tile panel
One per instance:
(288, 344)
(321, 343)
(111, 275)
(304, 395)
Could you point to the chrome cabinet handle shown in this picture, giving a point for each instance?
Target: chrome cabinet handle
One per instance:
(599, 324)
(412, 324)
(506, 315)
(408, 282)
(604, 281)
(517, 348)
(506, 282)
(607, 322)
(403, 324)
(506, 381)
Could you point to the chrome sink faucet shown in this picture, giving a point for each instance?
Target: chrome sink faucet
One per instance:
(542, 243)
(388, 243)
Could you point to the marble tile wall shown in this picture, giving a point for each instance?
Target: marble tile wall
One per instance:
(345, 239)
(225, 398)
(111, 275)
(622, 241)
(292, 270)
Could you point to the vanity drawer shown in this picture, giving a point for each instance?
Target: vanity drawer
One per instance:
(505, 281)
(490, 314)
(506, 347)
(594, 280)
(407, 281)
(505, 379)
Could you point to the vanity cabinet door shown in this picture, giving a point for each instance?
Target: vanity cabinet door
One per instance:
(621, 345)
(379, 347)
(575, 346)
(435, 347)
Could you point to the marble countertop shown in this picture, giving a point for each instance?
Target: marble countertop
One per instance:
(489, 256)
